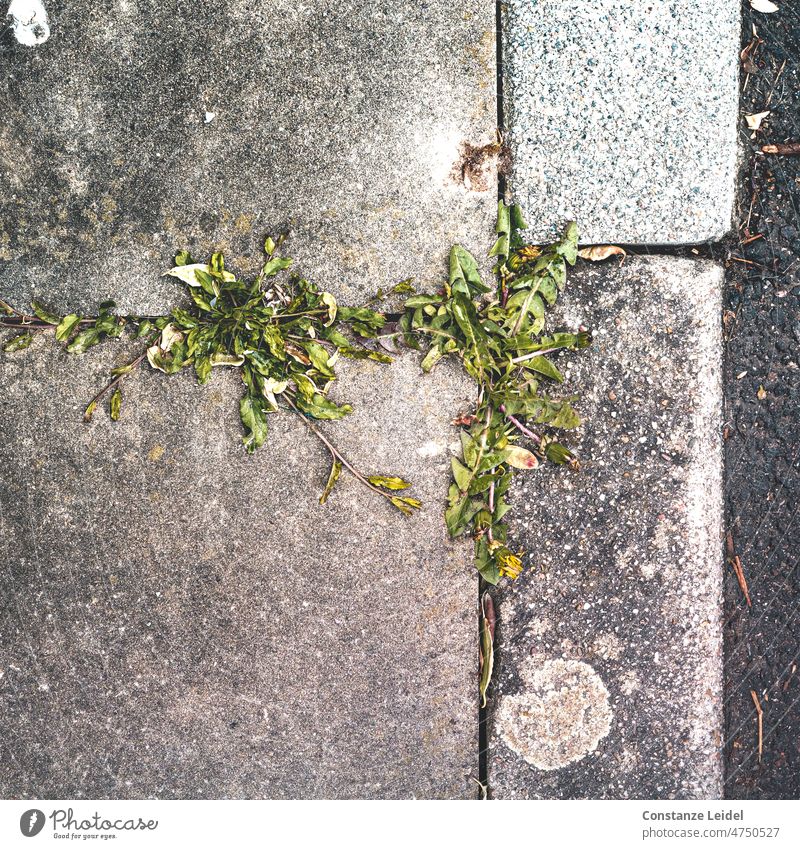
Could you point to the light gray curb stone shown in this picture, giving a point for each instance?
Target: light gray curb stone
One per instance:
(622, 117)
(609, 676)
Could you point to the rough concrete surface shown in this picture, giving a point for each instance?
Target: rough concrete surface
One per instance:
(181, 620)
(141, 128)
(608, 678)
(622, 117)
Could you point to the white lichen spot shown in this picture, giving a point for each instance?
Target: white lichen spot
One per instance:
(629, 682)
(29, 22)
(608, 646)
(561, 715)
(431, 448)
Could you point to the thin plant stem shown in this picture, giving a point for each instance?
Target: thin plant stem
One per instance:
(334, 452)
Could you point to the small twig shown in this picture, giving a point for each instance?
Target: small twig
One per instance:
(334, 452)
(491, 509)
(736, 565)
(109, 386)
(760, 712)
(788, 149)
(519, 426)
(534, 354)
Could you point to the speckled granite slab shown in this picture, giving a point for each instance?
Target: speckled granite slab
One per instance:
(622, 116)
(609, 676)
(138, 129)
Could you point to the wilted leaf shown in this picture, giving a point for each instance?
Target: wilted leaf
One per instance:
(330, 303)
(188, 273)
(520, 458)
(487, 645)
(336, 470)
(18, 343)
(601, 252)
(406, 505)
(764, 6)
(226, 360)
(389, 482)
(89, 411)
(754, 120)
(116, 405)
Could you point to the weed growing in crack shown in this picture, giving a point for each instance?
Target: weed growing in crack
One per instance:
(284, 336)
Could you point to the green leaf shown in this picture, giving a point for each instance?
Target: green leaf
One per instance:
(462, 475)
(43, 314)
(459, 514)
(84, 340)
(568, 246)
(431, 358)
(116, 405)
(274, 265)
(319, 407)
(66, 326)
(464, 274)
(423, 301)
(202, 367)
(254, 420)
(389, 482)
(18, 343)
(542, 365)
(336, 470)
(485, 563)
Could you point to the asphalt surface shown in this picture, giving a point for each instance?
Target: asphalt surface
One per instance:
(762, 447)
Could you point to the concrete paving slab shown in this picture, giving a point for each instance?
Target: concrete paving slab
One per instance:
(622, 117)
(138, 129)
(609, 668)
(181, 620)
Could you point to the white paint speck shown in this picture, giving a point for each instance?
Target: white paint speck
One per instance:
(29, 22)
(210, 117)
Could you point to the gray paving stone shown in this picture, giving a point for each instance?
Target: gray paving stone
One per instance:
(138, 129)
(623, 116)
(609, 677)
(178, 619)
(181, 620)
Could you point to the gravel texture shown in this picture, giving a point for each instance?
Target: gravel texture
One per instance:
(622, 117)
(609, 675)
(181, 620)
(140, 129)
(761, 452)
